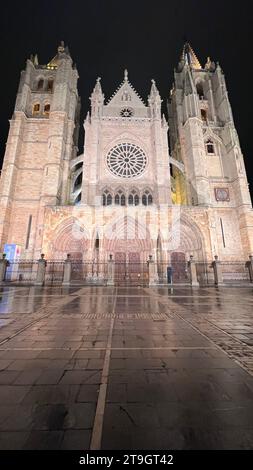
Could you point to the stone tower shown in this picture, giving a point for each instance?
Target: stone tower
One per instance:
(42, 140)
(203, 138)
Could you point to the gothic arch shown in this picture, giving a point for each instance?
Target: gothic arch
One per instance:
(190, 239)
(209, 134)
(69, 237)
(126, 233)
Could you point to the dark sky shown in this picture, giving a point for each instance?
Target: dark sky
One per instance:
(105, 36)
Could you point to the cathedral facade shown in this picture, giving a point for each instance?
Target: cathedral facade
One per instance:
(143, 186)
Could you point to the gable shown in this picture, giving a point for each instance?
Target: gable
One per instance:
(125, 98)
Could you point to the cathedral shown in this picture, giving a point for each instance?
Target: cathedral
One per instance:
(146, 186)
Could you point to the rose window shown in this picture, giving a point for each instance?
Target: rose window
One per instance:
(126, 160)
(126, 112)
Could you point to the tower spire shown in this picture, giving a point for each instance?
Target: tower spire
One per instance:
(189, 56)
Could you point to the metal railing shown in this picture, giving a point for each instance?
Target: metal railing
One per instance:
(129, 273)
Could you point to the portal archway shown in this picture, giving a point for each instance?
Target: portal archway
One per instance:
(69, 237)
(128, 241)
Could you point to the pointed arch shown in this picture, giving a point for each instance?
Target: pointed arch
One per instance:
(129, 233)
(107, 197)
(189, 239)
(70, 236)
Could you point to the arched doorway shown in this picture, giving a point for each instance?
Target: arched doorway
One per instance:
(69, 237)
(179, 267)
(129, 244)
(130, 267)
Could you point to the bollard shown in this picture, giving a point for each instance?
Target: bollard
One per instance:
(67, 271)
(249, 264)
(218, 280)
(3, 265)
(193, 272)
(40, 278)
(151, 271)
(111, 267)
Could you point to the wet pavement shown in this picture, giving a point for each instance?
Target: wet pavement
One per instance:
(126, 368)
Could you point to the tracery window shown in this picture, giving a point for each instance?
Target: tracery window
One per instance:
(120, 198)
(126, 160)
(130, 200)
(147, 198)
(133, 199)
(126, 112)
(107, 198)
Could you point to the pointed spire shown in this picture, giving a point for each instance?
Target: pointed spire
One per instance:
(62, 52)
(208, 63)
(154, 90)
(97, 99)
(154, 101)
(125, 75)
(97, 88)
(189, 57)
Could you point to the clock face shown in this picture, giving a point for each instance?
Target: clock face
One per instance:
(126, 112)
(126, 160)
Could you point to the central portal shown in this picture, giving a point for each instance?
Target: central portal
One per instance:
(129, 269)
(130, 246)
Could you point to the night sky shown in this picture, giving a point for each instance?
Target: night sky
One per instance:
(107, 36)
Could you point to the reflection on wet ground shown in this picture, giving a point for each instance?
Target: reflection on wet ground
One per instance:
(179, 363)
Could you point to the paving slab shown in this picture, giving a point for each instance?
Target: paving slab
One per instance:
(172, 368)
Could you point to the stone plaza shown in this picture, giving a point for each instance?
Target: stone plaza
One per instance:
(126, 367)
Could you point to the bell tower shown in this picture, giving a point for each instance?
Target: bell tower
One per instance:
(42, 140)
(204, 140)
(203, 134)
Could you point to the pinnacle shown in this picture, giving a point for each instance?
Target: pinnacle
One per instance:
(190, 57)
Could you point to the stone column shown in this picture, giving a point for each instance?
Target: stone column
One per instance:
(250, 267)
(193, 272)
(3, 265)
(218, 279)
(40, 278)
(67, 271)
(152, 271)
(111, 267)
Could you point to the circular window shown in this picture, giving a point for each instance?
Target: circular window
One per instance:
(126, 112)
(126, 160)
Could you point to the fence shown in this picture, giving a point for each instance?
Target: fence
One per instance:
(129, 273)
(26, 272)
(21, 271)
(234, 272)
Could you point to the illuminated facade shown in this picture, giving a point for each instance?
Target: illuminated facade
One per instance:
(127, 195)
